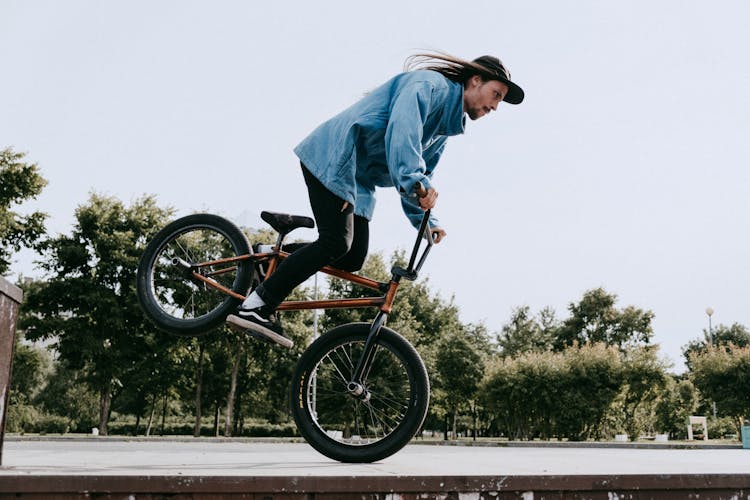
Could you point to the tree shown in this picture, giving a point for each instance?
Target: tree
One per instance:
(596, 319)
(459, 371)
(67, 394)
(526, 333)
(592, 379)
(721, 336)
(677, 401)
(31, 367)
(564, 394)
(88, 306)
(157, 376)
(19, 181)
(722, 375)
(645, 376)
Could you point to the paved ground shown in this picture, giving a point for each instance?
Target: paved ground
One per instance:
(200, 458)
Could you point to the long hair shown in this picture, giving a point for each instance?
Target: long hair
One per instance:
(457, 69)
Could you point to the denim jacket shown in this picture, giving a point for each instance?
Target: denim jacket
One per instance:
(393, 136)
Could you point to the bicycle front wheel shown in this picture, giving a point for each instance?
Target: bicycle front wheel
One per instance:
(170, 294)
(363, 428)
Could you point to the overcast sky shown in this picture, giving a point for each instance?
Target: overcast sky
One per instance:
(626, 167)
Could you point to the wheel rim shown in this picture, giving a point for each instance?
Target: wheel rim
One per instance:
(364, 420)
(174, 290)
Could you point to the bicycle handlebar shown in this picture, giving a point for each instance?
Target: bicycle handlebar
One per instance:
(421, 192)
(424, 232)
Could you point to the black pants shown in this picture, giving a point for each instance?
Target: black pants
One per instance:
(342, 242)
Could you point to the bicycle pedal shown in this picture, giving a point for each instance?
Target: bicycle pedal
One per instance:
(239, 325)
(246, 331)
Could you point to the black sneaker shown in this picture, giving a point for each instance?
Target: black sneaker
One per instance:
(259, 322)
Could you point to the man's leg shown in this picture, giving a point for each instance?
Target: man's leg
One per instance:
(335, 236)
(355, 257)
(335, 233)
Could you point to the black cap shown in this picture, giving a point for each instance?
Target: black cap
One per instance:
(496, 71)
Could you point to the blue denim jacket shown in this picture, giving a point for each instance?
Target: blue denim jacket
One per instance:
(393, 136)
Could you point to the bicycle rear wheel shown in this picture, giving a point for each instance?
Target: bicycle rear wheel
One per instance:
(169, 293)
(359, 429)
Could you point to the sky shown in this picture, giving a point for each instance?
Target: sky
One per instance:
(626, 167)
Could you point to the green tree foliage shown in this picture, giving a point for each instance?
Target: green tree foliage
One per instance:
(645, 377)
(151, 382)
(677, 401)
(593, 378)
(722, 375)
(722, 336)
(19, 181)
(564, 394)
(67, 395)
(88, 307)
(596, 319)
(459, 370)
(31, 367)
(547, 378)
(526, 333)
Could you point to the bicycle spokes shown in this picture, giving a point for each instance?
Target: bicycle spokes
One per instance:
(175, 287)
(369, 416)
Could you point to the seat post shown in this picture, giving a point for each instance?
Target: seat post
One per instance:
(280, 240)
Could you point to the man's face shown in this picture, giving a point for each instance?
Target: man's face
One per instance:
(481, 97)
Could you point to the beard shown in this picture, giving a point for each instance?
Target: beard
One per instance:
(475, 113)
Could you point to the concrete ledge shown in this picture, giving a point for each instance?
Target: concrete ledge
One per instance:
(375, 487)
(653, 445)
(108, 468)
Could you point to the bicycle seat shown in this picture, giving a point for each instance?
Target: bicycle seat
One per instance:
(285, 223)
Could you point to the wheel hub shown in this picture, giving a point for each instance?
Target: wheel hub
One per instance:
(358, 391)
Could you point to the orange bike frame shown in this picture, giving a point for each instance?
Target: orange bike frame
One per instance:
(383, 302)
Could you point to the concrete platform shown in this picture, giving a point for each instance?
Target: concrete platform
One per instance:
(198, 468)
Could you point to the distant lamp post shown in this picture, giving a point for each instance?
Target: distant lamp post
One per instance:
(710, 312)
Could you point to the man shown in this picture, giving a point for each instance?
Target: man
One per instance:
(393, 136)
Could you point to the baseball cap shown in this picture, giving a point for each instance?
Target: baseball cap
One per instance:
(496, 71)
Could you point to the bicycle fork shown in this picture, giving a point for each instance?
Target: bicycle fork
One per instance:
(356, 386)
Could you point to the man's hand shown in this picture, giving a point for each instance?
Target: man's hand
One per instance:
(428, 200)
(438, 234)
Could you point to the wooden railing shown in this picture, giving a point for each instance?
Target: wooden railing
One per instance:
(10, 299)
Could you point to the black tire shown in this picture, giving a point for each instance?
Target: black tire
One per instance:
(344, 427)
(174, 300)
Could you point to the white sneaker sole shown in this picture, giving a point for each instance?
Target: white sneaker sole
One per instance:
(241, 325)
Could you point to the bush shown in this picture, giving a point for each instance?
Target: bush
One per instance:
(24, 418)
(20, 418)
(676, 403)
(251, 429)
(51, 424)
(718, 428)
(270, 430)
(722, 375)
(549, 394)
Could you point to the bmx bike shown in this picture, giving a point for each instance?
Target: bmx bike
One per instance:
(359, 393)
